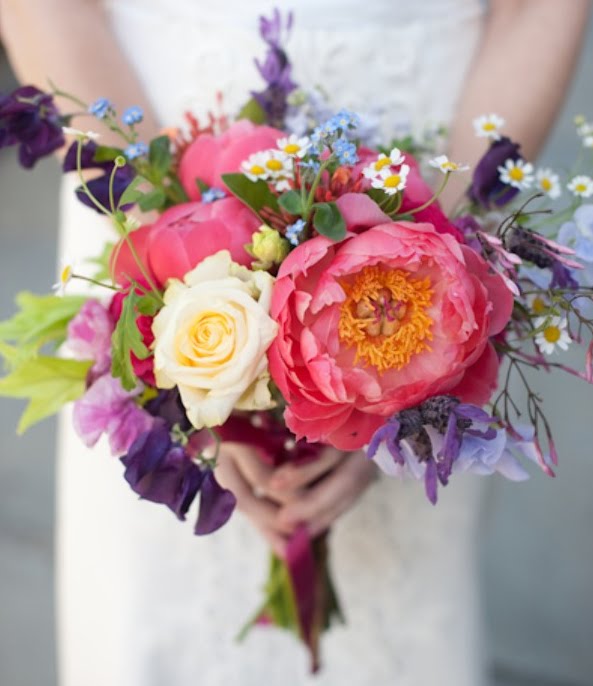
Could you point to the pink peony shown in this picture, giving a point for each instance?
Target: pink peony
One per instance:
(209, 157)
(183, 236)
(380, 322)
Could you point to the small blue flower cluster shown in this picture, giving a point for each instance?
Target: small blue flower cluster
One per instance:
(294, 231)
(212, 194)
(101, 108)
(332, 134)
(135, 150)
(133, 115)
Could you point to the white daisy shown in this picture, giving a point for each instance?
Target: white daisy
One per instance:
(554, 334)
(537, 304)
(548, 183)
(282, 185)
(488, 126)
(443, 163)
(581, 186)
(84, 135)
(293, 146)
(65, 277)
(268, 164)
(394, 159)
(516, 173)
(391, 181)
(254, 167)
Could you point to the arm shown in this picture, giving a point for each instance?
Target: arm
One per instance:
(71, 42)
(522, 71)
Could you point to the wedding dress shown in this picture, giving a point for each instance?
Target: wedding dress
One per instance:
(143, 602)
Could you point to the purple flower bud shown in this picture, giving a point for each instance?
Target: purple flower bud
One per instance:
(486, 187)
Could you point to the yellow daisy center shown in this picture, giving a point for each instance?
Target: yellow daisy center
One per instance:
(489, 126)
(274, 165)
(450, 166)
(291, 148)
(383, 162)
(539, 305)
(392, 181)
(257, 170)
(516, 173)
(385, 317)
(546, 184)
(552, 334)
(66, 274)
(580, 187)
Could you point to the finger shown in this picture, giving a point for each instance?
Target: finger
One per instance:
(291, 477)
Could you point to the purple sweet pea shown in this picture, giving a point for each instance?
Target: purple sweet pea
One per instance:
(485, 457)
(30, 119)
(486, 187)
(275, 70)
(89, 336)
(99, 186)
(107, 408)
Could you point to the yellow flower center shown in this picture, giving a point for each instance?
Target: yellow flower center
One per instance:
(539, 305)
(385, 317)
(274, 165)
(66, 275)
(291, 149)
(552, 334)
(383, 162)
(489, 126)
(392, 181)
(546, 184)
(200, 344)
(580, 188)
(257, 170)
(516, 174)
(451, 166)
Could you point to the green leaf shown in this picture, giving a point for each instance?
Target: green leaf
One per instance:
(291, 201)
(102, 261)
(42, 319)
(48, 383)
(104, 153)
(328, 221)
(148, 304)
(127, 339)
(255, 194)
(153, 200)
(202, 185)
(131, 195)
(159, 156)
(252, 111)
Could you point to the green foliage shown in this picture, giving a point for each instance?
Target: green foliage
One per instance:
(292, 202)
(127, 338)
(159, 157)
(328, 221)
(131, 195)
(103, 153)
(48, 383)
(153, 200)
(252, 111)
(255, 194)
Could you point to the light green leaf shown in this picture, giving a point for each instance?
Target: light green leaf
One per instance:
(328, 221)
(127, 339)
(104, 153)
(159, 156)
(153, 200)
(252, 111)
(255, 194)
(292, 202)
(48, 383)
(131, 195)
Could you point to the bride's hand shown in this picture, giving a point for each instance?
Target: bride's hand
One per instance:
(242, 471)
(322, 490)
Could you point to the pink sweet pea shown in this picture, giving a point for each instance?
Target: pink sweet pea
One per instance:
(379, 323)
(89, 336)
(209, 157)
(183, 236)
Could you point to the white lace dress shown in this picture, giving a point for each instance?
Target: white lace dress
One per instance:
(141, 601)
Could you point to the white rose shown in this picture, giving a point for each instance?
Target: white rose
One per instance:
(211, 339)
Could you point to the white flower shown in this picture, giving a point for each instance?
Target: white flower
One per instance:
(394, 159)
(516, 173)
(84, 135)
(267, 164)
(554, 334)
(293, 146)
(488, 126)
(581, 186)
(443, 163)
(66, 274)
(282, 185)
(391, 181)
(211, 339)
(537, 304)
(548, 182)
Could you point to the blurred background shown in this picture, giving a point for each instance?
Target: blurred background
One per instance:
(536, 548)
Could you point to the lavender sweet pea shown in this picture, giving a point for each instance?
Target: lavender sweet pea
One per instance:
(30, 119)
(487, 188)
(89, 337)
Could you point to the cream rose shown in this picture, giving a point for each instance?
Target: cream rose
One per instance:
(211, 339)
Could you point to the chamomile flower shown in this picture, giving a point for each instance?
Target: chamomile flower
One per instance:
(394, 160)
(445, 165)
(517, 173)
(391, 181)
(488, 126)
(267, 164)
(537, 303)
(293, 146)
(548, 183)
(282, 185)
(553, 335)
(65, 277)
(585, 131)
(581, 186)
(77, 133)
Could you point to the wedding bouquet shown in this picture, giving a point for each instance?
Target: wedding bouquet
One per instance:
(302, 287)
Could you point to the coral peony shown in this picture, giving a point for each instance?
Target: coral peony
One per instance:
(380, 322)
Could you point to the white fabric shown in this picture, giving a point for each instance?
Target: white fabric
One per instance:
(142, 602)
